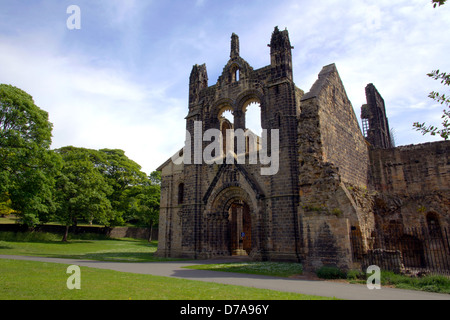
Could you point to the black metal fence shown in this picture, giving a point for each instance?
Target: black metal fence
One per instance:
(405, 250)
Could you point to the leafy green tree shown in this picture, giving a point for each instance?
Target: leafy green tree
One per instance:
(122, 174)
(27, 165)
(5, 205)
(145, 206)
(81, 189)
(155, 178)
(144, 202)
(442, 99)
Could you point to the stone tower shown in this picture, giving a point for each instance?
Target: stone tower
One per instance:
(229, 208)
(375, 121)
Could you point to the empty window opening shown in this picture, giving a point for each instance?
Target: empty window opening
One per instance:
(226, 119)
(181, 193)
(253, 118)
(227, 115)
(365, 127)
(235, 73)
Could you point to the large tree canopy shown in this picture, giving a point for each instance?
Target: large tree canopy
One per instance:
(81, 189)
(121, 173)
(27, 165)
(144, 202)
(69, 184)
(106, 187)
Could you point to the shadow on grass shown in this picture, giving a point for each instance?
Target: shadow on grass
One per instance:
(114, 257)
(52, 246)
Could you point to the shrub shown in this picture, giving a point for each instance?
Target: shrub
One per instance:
(356, 275)
(330, 272)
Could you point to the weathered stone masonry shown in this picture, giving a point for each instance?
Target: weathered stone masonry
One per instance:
(331, 178)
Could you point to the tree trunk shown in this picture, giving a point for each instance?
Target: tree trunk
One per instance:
(151, 232)
(66, 233)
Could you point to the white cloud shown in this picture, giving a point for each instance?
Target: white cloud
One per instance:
(200, 3)
(97, 107)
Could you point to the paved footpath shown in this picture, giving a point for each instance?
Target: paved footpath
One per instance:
(310, 287)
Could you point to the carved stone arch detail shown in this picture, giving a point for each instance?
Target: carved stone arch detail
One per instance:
(243, 101)
(223, 228)
(251, 95)
(239, 63)
(227, 195)
(222, 105)
(219, 184)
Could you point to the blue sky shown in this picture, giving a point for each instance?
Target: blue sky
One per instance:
(122, 80)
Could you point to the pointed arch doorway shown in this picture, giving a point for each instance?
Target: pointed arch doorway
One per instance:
(240, 228)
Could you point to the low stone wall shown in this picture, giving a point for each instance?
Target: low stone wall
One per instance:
(135, 233)
(54, 229)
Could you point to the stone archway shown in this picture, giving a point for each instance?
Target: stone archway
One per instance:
(231, 222)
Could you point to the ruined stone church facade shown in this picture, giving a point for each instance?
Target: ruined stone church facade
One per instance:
(332, 177)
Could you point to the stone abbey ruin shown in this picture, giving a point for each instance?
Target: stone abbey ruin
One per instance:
(338, 189)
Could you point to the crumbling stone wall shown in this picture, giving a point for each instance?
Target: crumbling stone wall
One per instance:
(374, 114)
(333, 157)
(412, 181)
(339, 137)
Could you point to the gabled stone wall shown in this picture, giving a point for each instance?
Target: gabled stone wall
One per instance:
(334, 160)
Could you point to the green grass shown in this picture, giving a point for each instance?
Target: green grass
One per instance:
(438, 284)
(131, 250)
(50, 245)
(8, 220)
(430, 283)
(276, 269)
(28, 280)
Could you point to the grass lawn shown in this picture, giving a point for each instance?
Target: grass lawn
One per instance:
(29, 280)
(276, 269)
(8, 220)
(429, 283)
(50, 245)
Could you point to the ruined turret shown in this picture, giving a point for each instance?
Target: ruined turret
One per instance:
(281, 54)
